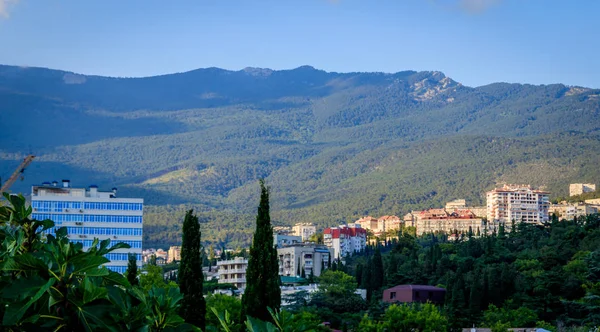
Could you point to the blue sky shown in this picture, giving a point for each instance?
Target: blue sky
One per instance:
(475, 42)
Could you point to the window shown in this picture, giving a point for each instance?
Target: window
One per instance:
(392, 295)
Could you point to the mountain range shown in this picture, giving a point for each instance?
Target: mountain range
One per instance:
(333, 147)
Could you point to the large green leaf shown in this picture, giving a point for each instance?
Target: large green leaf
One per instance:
(25, 262)
(87, 263)
(96, 317)
(23, 288)
(92, 292)
(257, 325)
(114, 278)
(14, 312)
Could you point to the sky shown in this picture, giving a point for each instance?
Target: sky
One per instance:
(475, 42)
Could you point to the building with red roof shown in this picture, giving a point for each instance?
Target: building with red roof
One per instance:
(345, 239)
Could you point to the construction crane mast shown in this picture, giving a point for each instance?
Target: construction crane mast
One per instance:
(8, 183)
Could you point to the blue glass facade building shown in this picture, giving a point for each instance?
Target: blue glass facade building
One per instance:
(89, 213)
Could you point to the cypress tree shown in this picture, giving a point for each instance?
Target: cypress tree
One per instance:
(132, 270)
(377, 273)
(359, 271)
(193, 305)
(262, 275)
(366, 282)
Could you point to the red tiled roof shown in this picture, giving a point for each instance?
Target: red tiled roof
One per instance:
(347, 231)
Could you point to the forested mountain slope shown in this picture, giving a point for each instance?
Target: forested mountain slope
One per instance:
(333, 146)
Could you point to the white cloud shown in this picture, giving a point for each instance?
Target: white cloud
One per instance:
(5, 6)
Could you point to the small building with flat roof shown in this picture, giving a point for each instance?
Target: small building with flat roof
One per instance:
(414, 293)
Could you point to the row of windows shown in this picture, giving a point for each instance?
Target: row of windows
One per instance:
(133, 244)
(60, 206)
(113, 206)
(122, 257)
(60, 218)
(118, 269)
(104, 231)
(103, 218)
(53, 206)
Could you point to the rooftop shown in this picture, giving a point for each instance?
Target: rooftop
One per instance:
(418, 288)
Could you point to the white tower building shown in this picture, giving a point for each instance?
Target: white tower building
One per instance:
(520, 203)
(89, 214)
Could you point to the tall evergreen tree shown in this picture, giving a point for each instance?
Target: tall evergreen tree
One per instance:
(378, 272)
(262, 275)
(132, 270)
(367, 275)
(358, 274)
(193, 305)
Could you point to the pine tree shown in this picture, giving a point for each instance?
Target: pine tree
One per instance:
(262, 275)
(132, 270)
(193, 305)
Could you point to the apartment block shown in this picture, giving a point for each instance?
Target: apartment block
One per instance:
(174, 254)
(345, 239)
(159, 255)
(370, 223)
(233, 271)
(570, 211)
(520, 203)
(456, 204)
(304, 230)
(390, 223)
(581, 188)
(90, 213)
(282, 240)
(310, 257)
(380, 225)
(448, 222)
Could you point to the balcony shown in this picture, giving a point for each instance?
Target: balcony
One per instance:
(227, 271)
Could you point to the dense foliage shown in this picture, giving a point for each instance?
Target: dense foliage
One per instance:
(48, 283)
(333, 146)
(524, 276)
(262, 275)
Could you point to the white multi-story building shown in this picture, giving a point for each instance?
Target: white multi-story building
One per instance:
(89, 214)
(581, 188)
(519, 203)
(304, 230)
(311, 257)
(345, 239)
(233, 272)
(281, 240)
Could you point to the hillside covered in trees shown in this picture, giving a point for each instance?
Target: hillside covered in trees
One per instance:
(332, 146)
